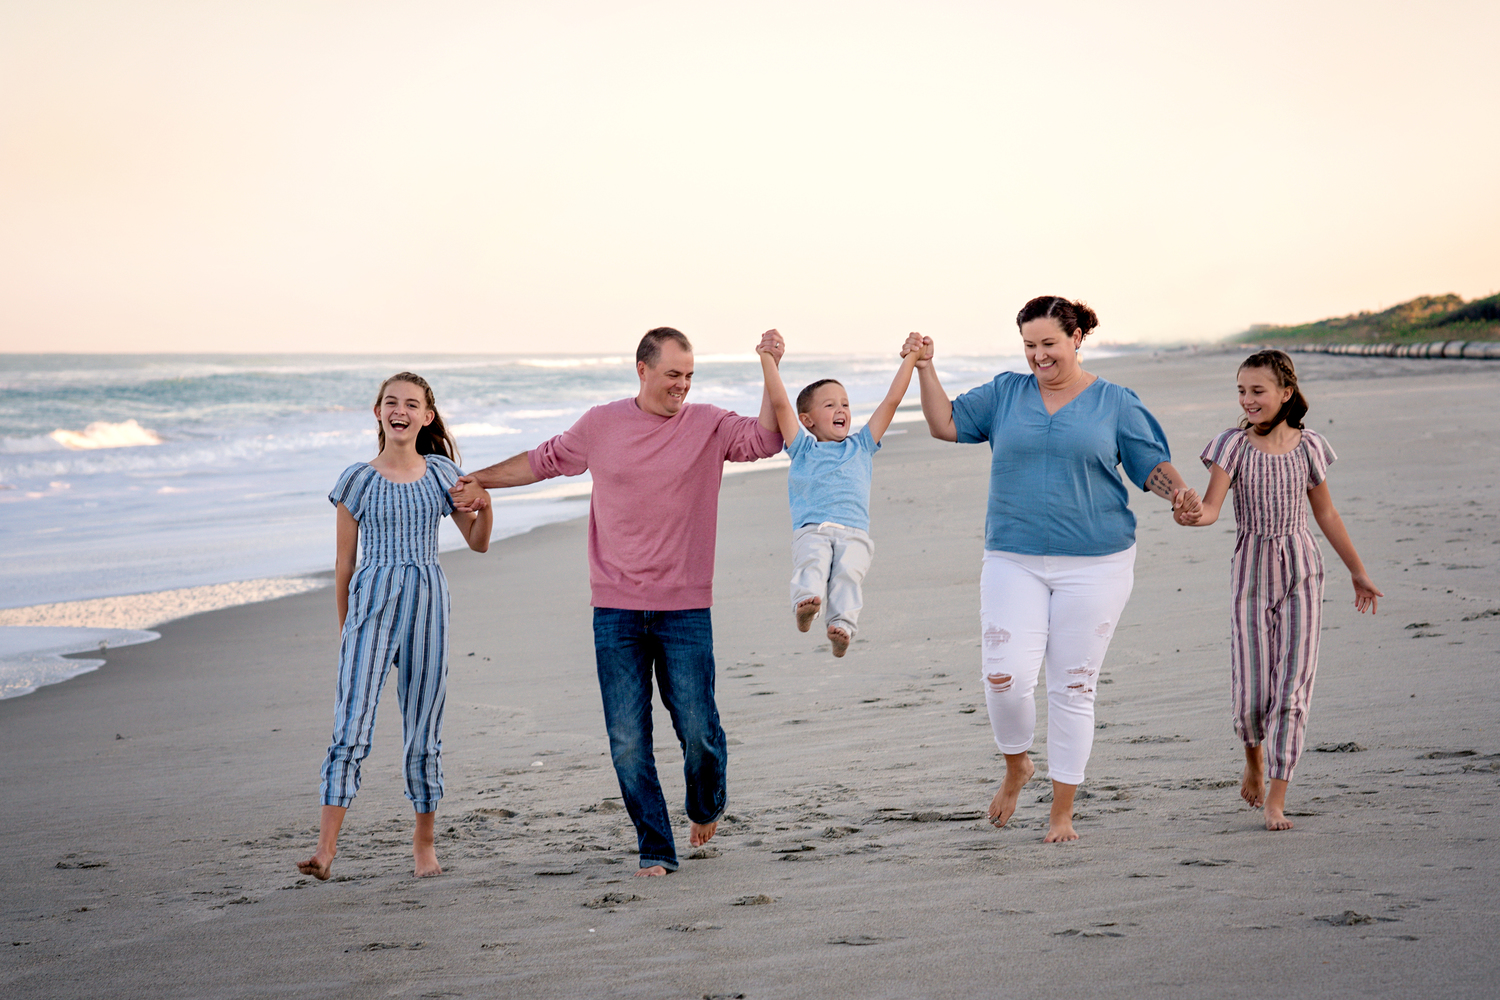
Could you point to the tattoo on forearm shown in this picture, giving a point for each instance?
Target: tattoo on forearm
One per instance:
(1160, 483)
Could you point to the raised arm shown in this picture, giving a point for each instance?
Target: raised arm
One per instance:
(881, 419)
(1213, 501)
(343, 560)
(937, 408)
(783, 413)
(1332, 525)
(469, 492)
(774, 344)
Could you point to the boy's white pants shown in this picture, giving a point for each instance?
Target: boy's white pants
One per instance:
(830, 561)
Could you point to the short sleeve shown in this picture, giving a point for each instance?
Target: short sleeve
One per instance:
(352, 488)
(1224, 451)
(446, 472)
(798, 445)
(866, 440)
(1142, 442)
(1319, 457)
(974, 413)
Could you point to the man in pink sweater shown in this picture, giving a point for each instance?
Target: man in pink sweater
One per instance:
(657, 463)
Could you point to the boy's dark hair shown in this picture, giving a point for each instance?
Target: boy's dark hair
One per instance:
(1071, 316)
(804, 398)
(650, 349)
(433, 439)
(1279, 363)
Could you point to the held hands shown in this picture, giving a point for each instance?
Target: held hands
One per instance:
(468, 496)
(1365, 593)
(1187, 508)
(920, 346)
(772, 343)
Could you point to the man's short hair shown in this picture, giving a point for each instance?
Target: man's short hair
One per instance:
(805, 397)
(650, 349)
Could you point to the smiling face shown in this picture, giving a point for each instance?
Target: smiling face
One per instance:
(827, 415)
(402, 412)
(1051, 353)
(1262, 395)
(665, 385)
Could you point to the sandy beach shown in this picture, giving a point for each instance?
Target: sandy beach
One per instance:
(155, 808)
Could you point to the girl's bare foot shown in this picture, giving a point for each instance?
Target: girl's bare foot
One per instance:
(1060, 823)
(1253, 783)
(838, 639)
(1018, 771)
(806, 611)
(319, 866)
(423, 848)
(1276, 806)
(651, 872)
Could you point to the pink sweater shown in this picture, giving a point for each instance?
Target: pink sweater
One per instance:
(654, 515)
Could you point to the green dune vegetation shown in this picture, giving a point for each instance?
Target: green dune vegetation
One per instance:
(1425, 318)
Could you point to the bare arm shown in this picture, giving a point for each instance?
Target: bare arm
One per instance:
(881, 419)
(783, 412)
(343, 560)
(1213, 501)
(475, 526)
(774, 344)
(937, 408)
(469, 492)
(1166, 482)
(1332, 525)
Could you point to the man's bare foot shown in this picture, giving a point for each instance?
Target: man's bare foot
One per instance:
(806, 611)
(1276, 806)
(1018, 771)
(423, 847)
(1253, 782)
(1060, 822)
(838, 639)
(701, 833)
(651, 872)
(319, 866)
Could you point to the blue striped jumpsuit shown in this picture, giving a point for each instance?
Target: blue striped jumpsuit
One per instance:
(1276, 579)
(398, 613)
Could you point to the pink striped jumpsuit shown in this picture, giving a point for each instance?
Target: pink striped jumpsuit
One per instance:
(1276, 584)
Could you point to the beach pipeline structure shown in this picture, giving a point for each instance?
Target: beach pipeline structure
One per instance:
(1489, 349)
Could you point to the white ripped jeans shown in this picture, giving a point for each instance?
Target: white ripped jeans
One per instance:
(830, 561)
(1061, 609)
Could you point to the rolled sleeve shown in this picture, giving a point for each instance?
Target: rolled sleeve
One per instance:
(745, 440)
(567, 454)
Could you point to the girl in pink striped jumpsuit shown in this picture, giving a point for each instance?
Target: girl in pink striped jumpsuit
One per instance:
(1272, 462)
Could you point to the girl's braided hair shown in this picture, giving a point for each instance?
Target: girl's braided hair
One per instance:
(433, 439)
(1279, 364)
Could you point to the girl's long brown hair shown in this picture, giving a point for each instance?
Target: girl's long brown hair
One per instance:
(433, 439)
(1278, 363)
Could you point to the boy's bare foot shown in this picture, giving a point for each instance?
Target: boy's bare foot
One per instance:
(423, 847)
(319, 866)
(1060, 823)
(1018, 771)
(701, 833)
(1253, 783)
(1276, 806)
(806, 611)
(651, 872)
(838, 639)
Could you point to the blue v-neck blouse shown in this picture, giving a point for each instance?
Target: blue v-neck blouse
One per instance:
(1055, 487)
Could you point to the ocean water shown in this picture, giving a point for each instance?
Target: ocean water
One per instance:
(134, 474)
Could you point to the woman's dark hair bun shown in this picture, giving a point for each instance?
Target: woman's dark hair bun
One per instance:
(1070, 315)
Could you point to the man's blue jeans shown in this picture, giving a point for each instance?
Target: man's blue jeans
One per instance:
(678, 647)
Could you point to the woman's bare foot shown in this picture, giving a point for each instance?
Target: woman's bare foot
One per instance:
(806, 611)
(1018, 771)
(319, 866)
(651, 872)
(423, 847)
(1253, 783)
(701, 833)
(1276, 806)
(838, 639)
(1060, 823)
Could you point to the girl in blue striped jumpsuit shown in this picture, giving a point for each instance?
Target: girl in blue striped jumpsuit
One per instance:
(394, 608)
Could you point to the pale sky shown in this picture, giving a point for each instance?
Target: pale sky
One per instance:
(258, 175)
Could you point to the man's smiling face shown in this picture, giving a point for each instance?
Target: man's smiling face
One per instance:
(665, 385)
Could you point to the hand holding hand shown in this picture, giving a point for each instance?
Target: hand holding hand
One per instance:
(919, 345)
(772, 343)
(469, 496)
(1187, 518)
(1365, 593)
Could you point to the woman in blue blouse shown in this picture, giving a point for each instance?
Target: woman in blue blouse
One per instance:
(1059, 536)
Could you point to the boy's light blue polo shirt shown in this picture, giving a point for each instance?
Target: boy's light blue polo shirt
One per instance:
(830, 480)
(1054, 486)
